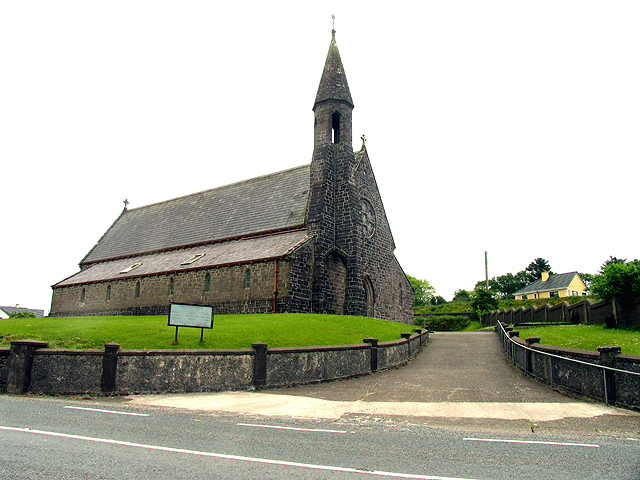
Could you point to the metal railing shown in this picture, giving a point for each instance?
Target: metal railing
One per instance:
(608, 373)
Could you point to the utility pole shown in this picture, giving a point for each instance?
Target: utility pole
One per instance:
(486, 270)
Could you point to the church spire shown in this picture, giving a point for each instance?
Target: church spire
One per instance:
(333, 83)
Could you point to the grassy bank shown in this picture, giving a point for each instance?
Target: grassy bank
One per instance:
(229, 331)
(585, 337)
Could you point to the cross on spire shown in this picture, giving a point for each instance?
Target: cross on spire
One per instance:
(333, 28)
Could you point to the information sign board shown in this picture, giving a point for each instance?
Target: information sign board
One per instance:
(184, 315)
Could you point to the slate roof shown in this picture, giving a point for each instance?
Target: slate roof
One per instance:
(333, 83)
(216, 254)
(555, 282)
(10, 310)
(269, 203)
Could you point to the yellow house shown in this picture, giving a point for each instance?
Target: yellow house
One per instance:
(561, 285)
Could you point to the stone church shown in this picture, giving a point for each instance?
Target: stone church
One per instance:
(312, 239)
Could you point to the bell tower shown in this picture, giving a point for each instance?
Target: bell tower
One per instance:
(334, 208)
(333, 106)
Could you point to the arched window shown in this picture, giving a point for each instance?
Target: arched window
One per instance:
(400, 294)
(82, 295)
(247, 279)
(207, 282)
(171, 286)
(335, 127)
(108, 292)
(369, 299)
(138, 289)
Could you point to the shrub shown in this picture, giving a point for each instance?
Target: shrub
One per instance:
(443, 323)
(23, 314)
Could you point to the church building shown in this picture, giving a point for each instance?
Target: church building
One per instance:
(311, 239)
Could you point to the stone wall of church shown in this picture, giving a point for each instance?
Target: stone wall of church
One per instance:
(227, 292)
(393, 295)
(300, 265)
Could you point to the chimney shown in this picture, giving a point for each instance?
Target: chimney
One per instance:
(545, 276)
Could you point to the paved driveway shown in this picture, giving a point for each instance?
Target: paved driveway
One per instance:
(459, 380)
(454, 367)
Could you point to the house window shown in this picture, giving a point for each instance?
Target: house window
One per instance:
(574, 293)
(138, 289)
(82, 295)
(193, 258)
(535, 295)
(554, 293)
(247, 279)
(108, 292)
(128, 269)
(524, 297)
(171, 286)
(584, 294)
(207, 282)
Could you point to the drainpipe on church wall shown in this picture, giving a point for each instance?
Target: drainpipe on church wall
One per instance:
(275, 286)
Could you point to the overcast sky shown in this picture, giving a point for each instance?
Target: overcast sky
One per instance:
(503, 126)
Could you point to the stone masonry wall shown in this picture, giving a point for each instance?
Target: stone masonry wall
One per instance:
(121, 372)
(227, 292)
(393, 294)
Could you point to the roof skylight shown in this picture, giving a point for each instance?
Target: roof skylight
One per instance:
(128, 269)
(193, 258)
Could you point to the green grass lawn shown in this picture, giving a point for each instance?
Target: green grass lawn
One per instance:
(585, 337)
(229, 331)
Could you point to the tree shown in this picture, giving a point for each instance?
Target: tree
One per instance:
(509, 283)
(483, 301)
(423, 292)
(461, 295)
(587, 278)
(610, 261)
(438, 300)
(618, 280)
(534, 271)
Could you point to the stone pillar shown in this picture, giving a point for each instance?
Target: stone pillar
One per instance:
(531, 340)
(374, 353)
(20, 365)
(407, 336)
(260, 364)
(419, 332)
(109, 368)
(607, 357)
(527, 357)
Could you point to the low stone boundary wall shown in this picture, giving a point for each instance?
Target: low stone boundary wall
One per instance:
(606, 375)
(30, 367)
(608, 312)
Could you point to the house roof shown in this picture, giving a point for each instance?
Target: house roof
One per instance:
(333, 83)
(10, 310)
(555, 282)
(216, 254)
(269, 203)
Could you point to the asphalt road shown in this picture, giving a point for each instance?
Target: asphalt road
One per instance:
(58, 438)
(457, 411)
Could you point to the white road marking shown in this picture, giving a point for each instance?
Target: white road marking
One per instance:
(532, 442)
(290, 428)
(233, 457)
(108, 411)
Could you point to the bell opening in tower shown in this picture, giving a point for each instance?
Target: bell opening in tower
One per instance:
(335, 127)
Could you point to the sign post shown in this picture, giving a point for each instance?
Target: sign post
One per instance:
(194, 316)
